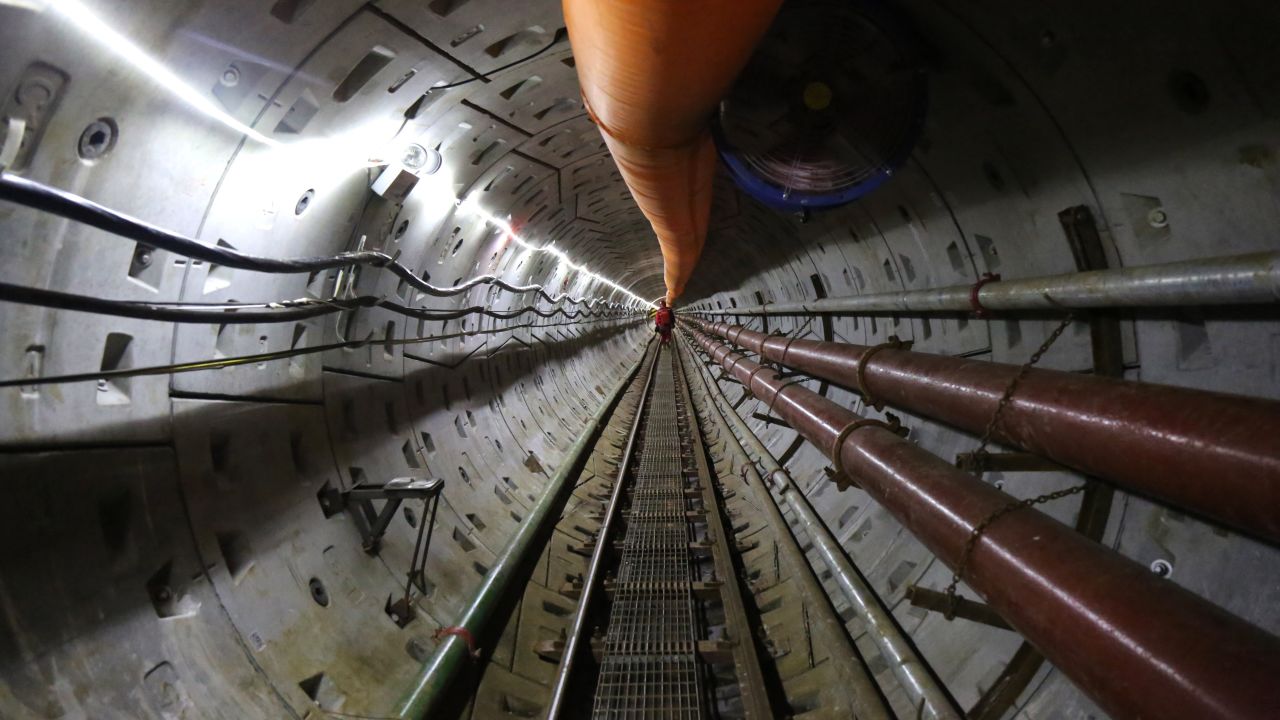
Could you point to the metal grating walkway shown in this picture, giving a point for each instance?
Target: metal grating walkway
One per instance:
(650, 665)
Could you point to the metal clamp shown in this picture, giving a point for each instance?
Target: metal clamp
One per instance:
(894, 343)
(840, 477)
(459, 631)
(974, 302)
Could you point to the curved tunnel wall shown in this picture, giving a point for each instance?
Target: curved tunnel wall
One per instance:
(1032, 114)
(151, 517)
(206, 483)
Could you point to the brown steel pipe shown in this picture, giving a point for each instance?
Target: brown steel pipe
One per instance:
(1138, 644)
(1206, 452)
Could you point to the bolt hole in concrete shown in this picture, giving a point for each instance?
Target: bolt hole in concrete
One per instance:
(98, 139)
(1162, 567)
(304, 202)
(318, 592)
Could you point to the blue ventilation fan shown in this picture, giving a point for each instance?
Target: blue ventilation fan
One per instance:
(829, 107)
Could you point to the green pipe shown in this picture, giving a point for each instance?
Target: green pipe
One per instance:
(439, 673)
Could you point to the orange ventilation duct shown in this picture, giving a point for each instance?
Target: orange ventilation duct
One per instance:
(652, 72)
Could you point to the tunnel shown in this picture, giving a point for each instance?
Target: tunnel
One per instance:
(333, 388)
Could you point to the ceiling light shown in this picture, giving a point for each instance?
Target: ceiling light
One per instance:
(420, 159)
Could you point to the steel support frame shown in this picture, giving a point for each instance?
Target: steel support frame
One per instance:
(1138, 644)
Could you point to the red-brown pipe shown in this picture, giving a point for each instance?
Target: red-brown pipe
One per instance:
(1210, 453)
(652, 72)
(1139, 645)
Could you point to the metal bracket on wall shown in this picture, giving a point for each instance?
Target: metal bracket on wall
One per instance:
(372, 523)
(771, 420)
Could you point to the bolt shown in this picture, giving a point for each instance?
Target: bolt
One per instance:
(144, 258)
(102, 386)
(230, 76)
(1158, 218)
(163, 594)
(33, 94)
(1162, 567)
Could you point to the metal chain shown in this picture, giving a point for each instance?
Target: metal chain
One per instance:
(981, 452)
(979, 456)
(952, 598)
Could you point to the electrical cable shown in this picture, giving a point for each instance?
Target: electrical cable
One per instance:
(39, 196)
(560, 35)
(285, 311)
(233, 361)
(146, 311)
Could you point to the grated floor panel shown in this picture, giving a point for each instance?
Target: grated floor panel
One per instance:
(650, 667)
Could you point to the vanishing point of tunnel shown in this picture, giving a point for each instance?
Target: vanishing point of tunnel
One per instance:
(639, 359)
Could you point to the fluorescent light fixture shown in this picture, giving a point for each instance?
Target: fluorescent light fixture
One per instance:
(474, 207)
(81, 16)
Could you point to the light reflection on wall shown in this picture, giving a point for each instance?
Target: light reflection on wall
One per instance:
(472, 206)
(321, 163)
